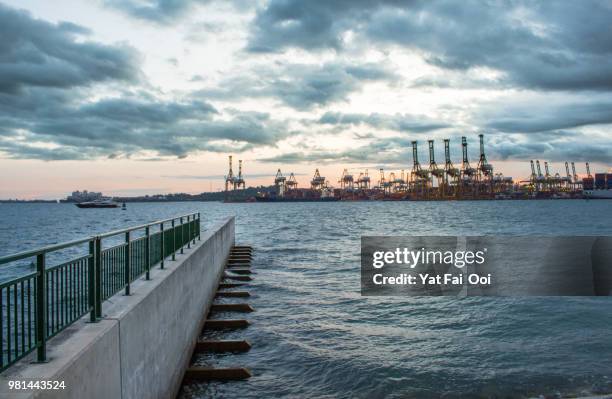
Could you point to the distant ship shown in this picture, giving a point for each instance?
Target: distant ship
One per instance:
(262, 198)
(298, 196)
(598, 188)
(598, 193)
(100, 203)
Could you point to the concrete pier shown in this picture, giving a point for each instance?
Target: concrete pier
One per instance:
(143, 344)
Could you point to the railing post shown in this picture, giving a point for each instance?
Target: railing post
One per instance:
(98, 279)
(128, 262)
(173, 240)
(91, 280)
(163, 245)
(195, 226)
(188, 232)
(41, 309)
(182, 234)
(148, 253)
(199, 227)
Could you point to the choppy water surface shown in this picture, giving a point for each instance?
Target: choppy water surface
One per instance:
(313, 335)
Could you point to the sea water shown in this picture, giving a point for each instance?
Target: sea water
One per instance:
(314, 335)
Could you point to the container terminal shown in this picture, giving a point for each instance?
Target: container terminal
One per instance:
(434, 181)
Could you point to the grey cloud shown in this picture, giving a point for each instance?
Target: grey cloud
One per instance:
(38, 53)
(541, 116)
(158, 11)
(23, 150)
(125, 126)
(458, 36)
(323, 85)
(311, 25)
(555, 146)
(394, 150)
(552, 45)
(399, 122)
(165, 12)
(302, 86)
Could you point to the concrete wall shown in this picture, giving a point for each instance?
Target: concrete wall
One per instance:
(145, 341)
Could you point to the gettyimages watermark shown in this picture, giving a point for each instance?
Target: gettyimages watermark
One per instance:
(486, 266)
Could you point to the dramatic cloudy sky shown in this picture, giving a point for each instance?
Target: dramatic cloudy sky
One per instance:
(145, 96)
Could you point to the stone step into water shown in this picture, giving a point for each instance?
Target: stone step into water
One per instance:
(222, 346)
(223, 286)
(230, 324)
(232, 307)
(236, 278)
(209, 374)
(232, 294)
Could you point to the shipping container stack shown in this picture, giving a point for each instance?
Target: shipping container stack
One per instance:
(600, 181)
(587, 183)
(609, 181)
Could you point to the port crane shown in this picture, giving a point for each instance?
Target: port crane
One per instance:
(541, 180)
(291, 183)
(317, 182)
(383, 184)
(363, 181)
(239, 181)
(436, 171)
(466, 170)
(567, 180)
(419, 176)
(588, 170)
(534, 177)
(279, 182)
(577, 183)
(453, 174)
(229, 179)
(485, 168)
(468, 173)
(547, 177)
(398, 183)
(346, 181)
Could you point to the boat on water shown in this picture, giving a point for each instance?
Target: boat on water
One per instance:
(261, 198)
(599, 187)
(100, 203)
(598, 194)
(298, 196)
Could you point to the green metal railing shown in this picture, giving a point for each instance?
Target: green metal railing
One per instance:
(37, 306)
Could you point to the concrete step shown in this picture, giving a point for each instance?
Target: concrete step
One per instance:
(232, 294)
(241, 260)
(208, 374)
(230, 285)
(237, 265)
(237, 278)
(230, 265)
(242, 247)
(240, 271)
(231, 307)
(222, 346)
(225, 324)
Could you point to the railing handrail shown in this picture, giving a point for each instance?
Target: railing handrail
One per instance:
(34, 252)
(57, 247)
(142, 226)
